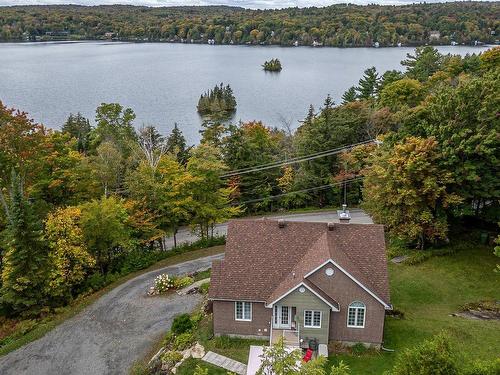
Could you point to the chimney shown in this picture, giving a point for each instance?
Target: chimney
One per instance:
(281, 223)
(331, 226)
(344, 215)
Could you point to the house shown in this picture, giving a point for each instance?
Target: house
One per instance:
(434, 35)
(310, 283)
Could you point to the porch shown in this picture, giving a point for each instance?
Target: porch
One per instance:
(290, 337)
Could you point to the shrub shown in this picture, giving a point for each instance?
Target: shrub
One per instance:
(183, 341)
(196, 318)
(433, 356)
(162, 283)
(358, 349)
(204, 288)
(181, 324)
(340, 369)
(168, 339)
(171, 358)
(182, 282)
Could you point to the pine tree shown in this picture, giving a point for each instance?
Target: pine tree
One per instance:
(24, 268)
(349, 96)
(176, 144)
(310, 115)
(78, 127)
(368, 84)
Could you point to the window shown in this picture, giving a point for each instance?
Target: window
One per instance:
(356, 315)
(243, 311)
(312, 319)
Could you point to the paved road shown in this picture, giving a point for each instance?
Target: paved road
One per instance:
(357, 216)
(108, 336)
(120, 327)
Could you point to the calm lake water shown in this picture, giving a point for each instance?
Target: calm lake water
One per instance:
(162, 82)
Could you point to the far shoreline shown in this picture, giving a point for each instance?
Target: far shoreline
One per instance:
(125, 41)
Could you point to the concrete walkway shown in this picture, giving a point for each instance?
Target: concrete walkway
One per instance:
(225, 363)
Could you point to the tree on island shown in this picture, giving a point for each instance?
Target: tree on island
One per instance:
(218, 102)
(273, 65)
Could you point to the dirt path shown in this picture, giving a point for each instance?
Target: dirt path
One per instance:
(111, 334)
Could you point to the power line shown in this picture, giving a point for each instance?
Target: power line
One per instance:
(272, 197)
(295, 160)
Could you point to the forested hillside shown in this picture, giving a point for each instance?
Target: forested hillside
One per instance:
(337, 25)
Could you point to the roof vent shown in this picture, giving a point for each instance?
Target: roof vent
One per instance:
(344, 215)
(281, 223)
(331, 226)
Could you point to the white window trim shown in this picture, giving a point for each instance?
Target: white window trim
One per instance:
(312, 319)
(356, 315)
(243, 311)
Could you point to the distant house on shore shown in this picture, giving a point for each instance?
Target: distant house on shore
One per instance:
(434, 35)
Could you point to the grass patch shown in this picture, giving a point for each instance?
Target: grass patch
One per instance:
(189, 365)
(428, 293)
(17, 338)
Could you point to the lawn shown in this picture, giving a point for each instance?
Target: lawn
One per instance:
(427, 293)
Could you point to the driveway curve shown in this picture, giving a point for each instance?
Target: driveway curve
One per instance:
(109, 335)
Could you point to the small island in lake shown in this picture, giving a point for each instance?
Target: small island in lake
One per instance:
(218, 102)
(273, 65)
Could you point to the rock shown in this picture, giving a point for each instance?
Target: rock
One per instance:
(400, 259)
(198, 351)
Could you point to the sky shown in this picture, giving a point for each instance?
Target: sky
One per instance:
(254, 4)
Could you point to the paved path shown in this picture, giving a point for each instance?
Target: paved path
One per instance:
(357, 216)
(108, 336)
(225, 363)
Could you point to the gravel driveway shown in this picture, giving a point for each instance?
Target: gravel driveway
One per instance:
(111, 334)
(121, 326)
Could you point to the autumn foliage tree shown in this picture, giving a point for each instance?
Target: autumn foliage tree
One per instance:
(407, 191)
(69, 259)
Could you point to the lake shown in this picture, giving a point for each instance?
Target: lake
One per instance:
(162, 82)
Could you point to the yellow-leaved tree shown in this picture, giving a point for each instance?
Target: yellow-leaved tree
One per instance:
(69, 259)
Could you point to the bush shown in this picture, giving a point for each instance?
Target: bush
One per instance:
(182, 282)
(168, 339)
(204, 288)
(181, 324)
(171, 358)
(434, 356)
(358, 349)
(340, 369)
(183, 341)
(162, 283)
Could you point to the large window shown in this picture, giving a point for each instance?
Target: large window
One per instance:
(356, 315)
(312, 319)
(243, 311)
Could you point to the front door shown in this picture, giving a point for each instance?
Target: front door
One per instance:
(282, 317)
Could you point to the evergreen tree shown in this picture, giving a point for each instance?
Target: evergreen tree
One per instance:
(310, 115)
(176, 145)
(78, 127)
(350, 95)
(426, 61)
(368, 84)
(25, 258)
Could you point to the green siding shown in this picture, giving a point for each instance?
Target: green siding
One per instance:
(309, 301)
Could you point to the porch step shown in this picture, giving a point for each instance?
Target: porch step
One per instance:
(225, 363)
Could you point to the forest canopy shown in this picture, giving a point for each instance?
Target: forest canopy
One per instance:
(343, 25)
